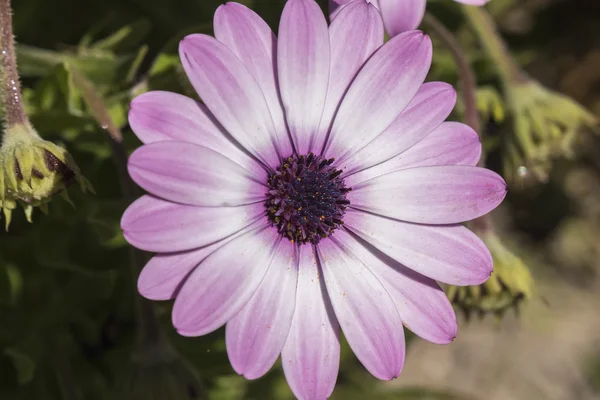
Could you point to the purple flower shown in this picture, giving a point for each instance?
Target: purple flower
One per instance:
(317, 188)
(398, 15)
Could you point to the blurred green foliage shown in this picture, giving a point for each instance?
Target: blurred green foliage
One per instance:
(67, 295)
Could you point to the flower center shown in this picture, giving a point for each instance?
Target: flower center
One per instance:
(307, 198)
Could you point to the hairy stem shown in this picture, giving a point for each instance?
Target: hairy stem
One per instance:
(9, 83)
(489, 37)
(468, 80)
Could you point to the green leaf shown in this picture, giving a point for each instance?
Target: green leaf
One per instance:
(125, 39)
(136, 63)
(100, 66)
(24, 365)
(11, 284)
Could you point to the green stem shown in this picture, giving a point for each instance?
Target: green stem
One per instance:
(489, 37)
(62, 368)
(468, 81)
(9, 83)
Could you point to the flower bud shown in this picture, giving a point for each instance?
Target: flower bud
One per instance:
(34, 170)
(509, 285)
(546, 127)
(490, 104)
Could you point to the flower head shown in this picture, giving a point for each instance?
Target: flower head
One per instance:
(317, 189)
(33, 170)
(398, 15)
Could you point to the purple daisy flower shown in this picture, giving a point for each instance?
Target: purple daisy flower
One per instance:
(318, 188)
(398, 15)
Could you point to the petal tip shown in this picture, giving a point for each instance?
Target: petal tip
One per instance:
(446, 335)
(187, 40)
(145, 289)
(452, 333)
(418, 34)
(371, 7)
(251, 375)
(185, 333)
(229, 6)
(237, 367)
(390, 371)
(390, 376)
(181, 325)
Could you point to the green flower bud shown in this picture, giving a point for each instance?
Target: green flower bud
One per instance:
(509, 285)
(490, 104)
(34, 170)
(546, 126)
(159, 373)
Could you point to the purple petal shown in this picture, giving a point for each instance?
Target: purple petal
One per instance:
(153, 224)
(311, 354)
(161, 116)
(366, 312)
(164, 274)
(451, 254)
(430, 107)
(354, 36)
(195, 175)
(232, 95)
(452, 143)
(431, 195)
(335, 6)
(401, 15)
(164, 116)
(224, 282)
(446, 194)
(381, 91)
(303, 66)
(256, 335)
(421, 303)
(334, 9)
(249, 37)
